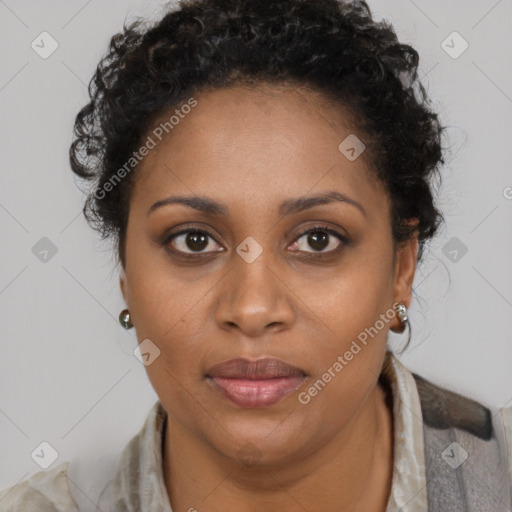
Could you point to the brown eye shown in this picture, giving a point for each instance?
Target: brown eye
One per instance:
(191, 241)
(320, 239)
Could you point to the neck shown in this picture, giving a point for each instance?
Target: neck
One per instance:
(335, 477)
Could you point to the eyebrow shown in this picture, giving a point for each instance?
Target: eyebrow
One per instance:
(287, 207)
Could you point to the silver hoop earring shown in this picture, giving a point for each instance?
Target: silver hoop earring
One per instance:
(401, 312)
(124, 319)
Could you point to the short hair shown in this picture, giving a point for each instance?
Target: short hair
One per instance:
(330, 46)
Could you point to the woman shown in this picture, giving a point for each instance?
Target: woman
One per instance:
(265, 171)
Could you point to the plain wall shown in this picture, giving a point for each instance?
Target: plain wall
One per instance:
(67, 372)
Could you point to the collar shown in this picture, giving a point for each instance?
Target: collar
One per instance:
(409, 481)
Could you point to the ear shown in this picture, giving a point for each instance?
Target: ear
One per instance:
(405, 268)
(124, 286)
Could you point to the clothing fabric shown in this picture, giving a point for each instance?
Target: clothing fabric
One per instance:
(466, 452)
(137, 484)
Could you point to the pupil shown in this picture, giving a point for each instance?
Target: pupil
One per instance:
(318, 240)
(196, 241)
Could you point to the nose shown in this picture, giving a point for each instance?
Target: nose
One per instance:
(254, 299)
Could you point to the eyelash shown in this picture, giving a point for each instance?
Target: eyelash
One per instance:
(314, 254)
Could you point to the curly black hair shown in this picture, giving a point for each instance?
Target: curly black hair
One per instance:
(330, 46)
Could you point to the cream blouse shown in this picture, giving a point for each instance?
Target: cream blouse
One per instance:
(137, 484)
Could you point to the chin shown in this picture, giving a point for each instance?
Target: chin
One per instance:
(258, 443)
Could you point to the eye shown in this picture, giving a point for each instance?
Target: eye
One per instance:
(322, 239)
(193, 240)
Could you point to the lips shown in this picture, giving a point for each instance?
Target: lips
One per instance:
(257, 383)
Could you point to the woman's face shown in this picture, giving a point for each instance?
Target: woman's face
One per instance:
(251, 284)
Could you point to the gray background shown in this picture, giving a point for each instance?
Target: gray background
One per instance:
(68, 375)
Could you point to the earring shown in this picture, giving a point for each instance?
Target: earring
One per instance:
(401, 312)
(124, 319)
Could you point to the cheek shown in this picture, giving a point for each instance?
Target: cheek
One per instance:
(174, 319)
(169, 311)
(354, 297)
(165, 300)
(176, 374)
(353, 315)
(347, 358)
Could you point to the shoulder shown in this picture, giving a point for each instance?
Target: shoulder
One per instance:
(45, 491)
(487, 429)
(443, 408)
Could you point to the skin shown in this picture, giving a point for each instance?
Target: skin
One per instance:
(251, 149)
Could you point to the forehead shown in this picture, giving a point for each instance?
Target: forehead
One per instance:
(268, 139)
